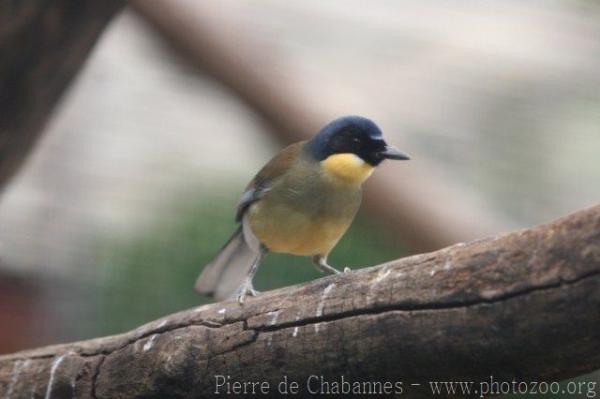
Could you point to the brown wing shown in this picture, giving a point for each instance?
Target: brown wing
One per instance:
(261, 183)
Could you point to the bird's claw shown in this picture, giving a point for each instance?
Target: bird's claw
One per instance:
(346, 269)
(246, 290)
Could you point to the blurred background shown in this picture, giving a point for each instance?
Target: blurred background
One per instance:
(132, 184)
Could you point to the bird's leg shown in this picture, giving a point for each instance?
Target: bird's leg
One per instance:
(247, 287)
(321, 264)
(252, 291)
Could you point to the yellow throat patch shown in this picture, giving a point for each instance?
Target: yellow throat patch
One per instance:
(347, 167)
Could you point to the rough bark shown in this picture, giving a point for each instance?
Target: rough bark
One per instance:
(522, 305)
(42, 46)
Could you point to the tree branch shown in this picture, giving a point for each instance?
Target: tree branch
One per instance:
(522, 305)
(42, 46)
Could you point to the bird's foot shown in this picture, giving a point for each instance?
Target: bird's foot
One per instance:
(241, 296)
(246, 289)
(321, 264)
(333, 270)
(345, 269)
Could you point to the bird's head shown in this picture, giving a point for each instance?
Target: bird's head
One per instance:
(353, 135)
(350, 147)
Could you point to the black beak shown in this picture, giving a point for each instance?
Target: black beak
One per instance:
(392, 152)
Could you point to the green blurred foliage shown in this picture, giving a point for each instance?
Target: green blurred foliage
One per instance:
(152, 275)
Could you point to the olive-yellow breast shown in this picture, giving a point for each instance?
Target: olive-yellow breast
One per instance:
(310, 221)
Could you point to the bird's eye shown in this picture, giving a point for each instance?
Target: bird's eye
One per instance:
(356, 140)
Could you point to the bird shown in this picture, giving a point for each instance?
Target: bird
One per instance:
(300, 203)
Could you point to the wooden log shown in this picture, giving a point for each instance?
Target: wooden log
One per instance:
(524, 305)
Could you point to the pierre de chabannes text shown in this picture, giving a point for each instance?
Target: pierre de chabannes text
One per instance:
(320, 385)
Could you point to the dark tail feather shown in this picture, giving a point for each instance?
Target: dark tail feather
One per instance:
(222, 276)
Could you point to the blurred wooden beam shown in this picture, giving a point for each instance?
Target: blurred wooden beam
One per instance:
(418, 209)
(43, 44)
(522, 306)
